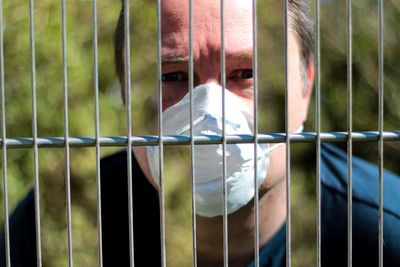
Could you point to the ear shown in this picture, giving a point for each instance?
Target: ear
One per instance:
(310, 76)
(308, 90)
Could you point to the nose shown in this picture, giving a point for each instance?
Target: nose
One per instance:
(208, 70)
(215, 80)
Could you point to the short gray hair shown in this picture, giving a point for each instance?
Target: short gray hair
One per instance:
(300, 19)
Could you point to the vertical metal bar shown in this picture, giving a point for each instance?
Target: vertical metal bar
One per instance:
(160, 137)
(4, 143)
(380, 157)
(192, 151)
(318, 127)
(66, 131)
(287, 140)
(349, 139)
(127, 75)
(97, 131)
(225, 193)
(35, 141)
(255, 111)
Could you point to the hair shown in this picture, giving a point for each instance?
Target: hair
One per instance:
(119, 51)
(300, 21)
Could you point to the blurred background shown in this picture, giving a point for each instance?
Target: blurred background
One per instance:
(144, 108)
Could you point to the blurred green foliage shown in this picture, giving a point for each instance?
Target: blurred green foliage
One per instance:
(49, 87)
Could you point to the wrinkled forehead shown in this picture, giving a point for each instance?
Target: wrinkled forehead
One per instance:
(206, 13)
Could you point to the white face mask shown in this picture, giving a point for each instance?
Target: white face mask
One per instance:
(207, 120)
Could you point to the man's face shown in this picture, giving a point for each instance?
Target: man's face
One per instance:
(206, 58)
(207, 52)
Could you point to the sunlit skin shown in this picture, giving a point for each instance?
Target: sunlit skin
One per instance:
(207, 69)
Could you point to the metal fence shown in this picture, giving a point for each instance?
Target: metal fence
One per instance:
(35, 142)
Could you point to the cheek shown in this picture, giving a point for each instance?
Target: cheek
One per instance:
(244, 90)
(276, 170)
(296, 108)
(249, 103)
(173, 94)
(247, 99)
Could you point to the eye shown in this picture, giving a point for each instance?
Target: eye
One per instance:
(243, 74)
(174, 77)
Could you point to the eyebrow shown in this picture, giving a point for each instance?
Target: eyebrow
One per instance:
(175, 59)
(246, 55)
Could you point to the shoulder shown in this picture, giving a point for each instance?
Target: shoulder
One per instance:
(114, 183)
(273, 254)
(365, 205)
(115, 213)
(365, 180)
(22, 234)
(113, 162)
(114, 178)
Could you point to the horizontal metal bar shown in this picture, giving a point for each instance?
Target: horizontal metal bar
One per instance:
(152, 140)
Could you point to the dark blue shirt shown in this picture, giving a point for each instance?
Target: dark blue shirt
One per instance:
(365, 211)
(334, 215)
(146, 217)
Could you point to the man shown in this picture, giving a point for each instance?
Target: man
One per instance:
(207, 70)
(272, 197)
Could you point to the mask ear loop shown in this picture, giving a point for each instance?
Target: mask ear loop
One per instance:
(272, 148)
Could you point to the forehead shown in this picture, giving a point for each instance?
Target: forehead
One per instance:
(177, 11)
(206, 24)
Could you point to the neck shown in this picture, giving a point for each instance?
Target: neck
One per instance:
(272, 214)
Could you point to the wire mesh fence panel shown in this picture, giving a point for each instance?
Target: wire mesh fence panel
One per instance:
(69, 51)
